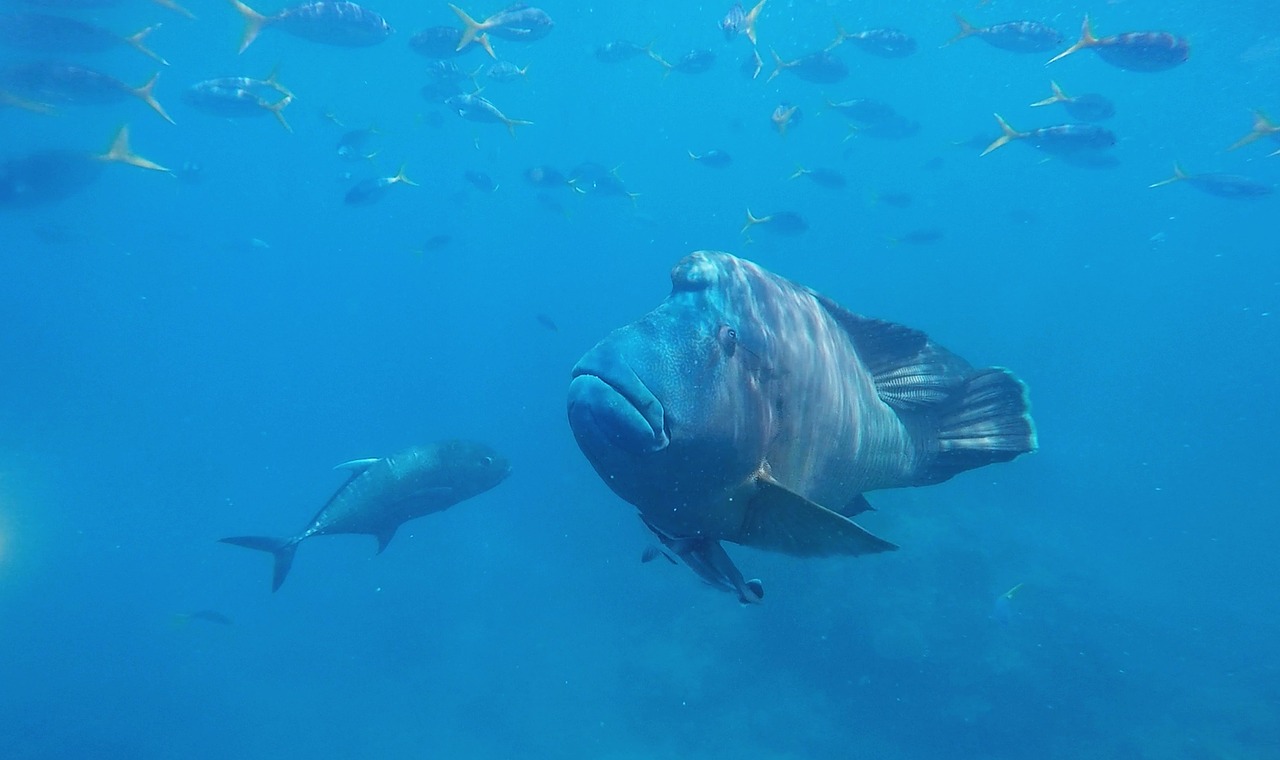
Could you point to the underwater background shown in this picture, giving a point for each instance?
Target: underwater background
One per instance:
(185, 359)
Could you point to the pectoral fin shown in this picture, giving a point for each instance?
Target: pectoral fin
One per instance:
(779, 520)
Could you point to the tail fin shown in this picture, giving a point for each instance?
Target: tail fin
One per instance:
(750, 25)
(119, 153)
(1086, 40)
(778, 65)
(966, 30)
(135, 41)
(282, 549)
(513, 123)
(253, 23)
(277, 109)
(1178, 175)
(1009, 134)
(402, 178)
(473, 28)
(173, 6)
(147, 95)
(753, 220)
(1058, 96)
(989, 422)
(1262, 127)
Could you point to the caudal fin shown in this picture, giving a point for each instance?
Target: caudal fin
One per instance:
(253, 23)
(136, 42)
(966, 30)
(146, 93)
(281, 548)
(120, 153)
(989, 421)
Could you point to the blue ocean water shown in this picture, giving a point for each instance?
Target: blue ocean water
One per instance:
(184, 361)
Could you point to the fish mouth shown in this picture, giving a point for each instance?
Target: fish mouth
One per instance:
(617, 412)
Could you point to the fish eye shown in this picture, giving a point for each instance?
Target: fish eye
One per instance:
(728, 339)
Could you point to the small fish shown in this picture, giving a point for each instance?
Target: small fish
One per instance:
(56, 35)
(328, 22)
(738, 21)
(715, 159)
(896, 200)
(1087, 107)
(1061, 139)
(505, 71)
(708, 560)
(590, 178)
(619, 51)
(821, 67)
(1133, 51)
(865, 110)
(1230, 186)
(436, 243)
(380, 495)
(692, 62)
(1014, 36)
(476, 108)
(926, 236)
(787, 223)
(60, 83)
(442, 42)
(1262, 127)
(1002, 610)
(547, 322)
(785, 116)
(369, 191)
(358, 144)
(545, 176)
(48, 176)
(885, 43)
(223, 97)
(480, 181)
(897, 128)
(518, 22)
(828, 178)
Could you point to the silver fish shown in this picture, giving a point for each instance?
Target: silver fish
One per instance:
(749, 409)
(383, 494)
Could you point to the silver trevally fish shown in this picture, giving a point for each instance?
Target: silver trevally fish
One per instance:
(383, 494)
(749, 409)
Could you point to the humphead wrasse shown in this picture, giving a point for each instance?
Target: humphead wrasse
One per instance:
(749, 409)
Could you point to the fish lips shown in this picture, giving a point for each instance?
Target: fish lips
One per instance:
(616, 410)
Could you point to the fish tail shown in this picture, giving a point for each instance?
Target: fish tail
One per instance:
(9, 99)
(1086, 40)
(273, 81)
(1009, 134)
(400, 177)
(483, 41)
(473, 28)
(1057, 97)
(800, 172)
(966, 30)
(513, 123)
(147, 94)
(135, 41)
(841, 36)
(666, 67)
(277, 110)
(988, 421)
(778, 64)
(119, 153)
(173, 6)
(1262, 127)
(753, 220)
(1178, 175)
(282, 549)
(750, 23)
(253, 24)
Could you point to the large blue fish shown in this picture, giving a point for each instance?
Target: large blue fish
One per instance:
(749, 409)
(383, 494)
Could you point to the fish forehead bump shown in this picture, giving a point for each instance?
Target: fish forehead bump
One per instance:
(703, 270)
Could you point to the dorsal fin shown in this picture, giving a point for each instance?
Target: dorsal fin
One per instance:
(908, 370)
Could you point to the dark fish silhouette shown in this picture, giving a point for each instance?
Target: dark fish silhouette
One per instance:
(747, 408)
(1014, 36)
(518, 22)
(441, 42)
(1230, 186)
(54, 83)
(821, 67)
(1088, 107)
(369, 191)
(1134, 51)
(714, 158)
(382, 494)
(329, 22)
(787, 223)
(56, 35)
(619, 51)
(1061, 139)
(237, 97)
(885, 43)
(48, 176)
(828, 178)
(473, 107)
